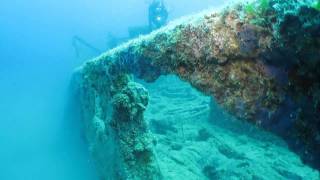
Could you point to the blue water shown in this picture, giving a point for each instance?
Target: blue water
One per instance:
(38, 140)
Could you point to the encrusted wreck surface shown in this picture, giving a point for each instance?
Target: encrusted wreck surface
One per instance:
(260, 61)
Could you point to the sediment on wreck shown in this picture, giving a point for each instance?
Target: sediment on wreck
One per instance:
(258, 60)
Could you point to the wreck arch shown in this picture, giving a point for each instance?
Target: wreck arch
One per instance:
(221, 54)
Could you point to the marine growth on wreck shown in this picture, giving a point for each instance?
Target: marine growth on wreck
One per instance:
(258, 62)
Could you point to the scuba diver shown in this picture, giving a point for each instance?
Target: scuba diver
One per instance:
(158, 14)
(157, 17)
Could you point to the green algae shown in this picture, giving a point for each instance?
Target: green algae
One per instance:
(250, 9)
(257, 8)
(316, 5)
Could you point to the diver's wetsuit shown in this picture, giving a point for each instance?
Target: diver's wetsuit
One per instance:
(158, 14)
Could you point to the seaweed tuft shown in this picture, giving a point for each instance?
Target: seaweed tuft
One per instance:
(316, 5)
(257, 8)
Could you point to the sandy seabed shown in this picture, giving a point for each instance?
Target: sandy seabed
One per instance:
(194, 142)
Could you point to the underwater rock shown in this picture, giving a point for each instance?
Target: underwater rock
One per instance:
(222, 54)
(210, 172)
(203, 135)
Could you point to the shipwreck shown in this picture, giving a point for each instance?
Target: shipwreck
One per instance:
(260, 61)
